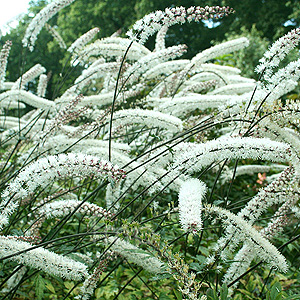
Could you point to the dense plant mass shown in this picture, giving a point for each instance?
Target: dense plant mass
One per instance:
(150, 176)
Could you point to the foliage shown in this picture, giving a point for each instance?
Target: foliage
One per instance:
(149, 176)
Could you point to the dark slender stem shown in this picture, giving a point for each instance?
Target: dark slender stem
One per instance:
(114, 101)
(68, 237)
(127, 283)
(258, 264)
(265, 283)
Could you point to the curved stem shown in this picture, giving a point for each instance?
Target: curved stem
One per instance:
(114, 101)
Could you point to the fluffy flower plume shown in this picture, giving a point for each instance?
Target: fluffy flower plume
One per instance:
(234, 89)
(221, 49)
(160, 38)
(3, 61)
(28, 98)
(83, 40)
(59, 209)
(56, 36)
(202, 155)
(197, 87)
(90, 283)
(247, 253)
(264, 249)
(278, 51)
(183, 105)
(190, 198)
(42, 259)
(153, 22)
(147, 117)
(110, 48)
(63, 208)
(136, 255)
(276, 192)
(165, 68)
(40, 20)
(47, 170)
(30, 75)
(42, 86)
(146, 62)
(290, 72)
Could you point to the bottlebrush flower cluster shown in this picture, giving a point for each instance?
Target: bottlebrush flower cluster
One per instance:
(150, 148)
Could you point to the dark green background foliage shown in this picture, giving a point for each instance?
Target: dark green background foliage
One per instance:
(270, 19)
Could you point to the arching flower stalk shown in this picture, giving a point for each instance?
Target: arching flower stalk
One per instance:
(30, 75)
(52, 168)
(149, 118)
(90, 283)
(112, 50)
(217, 50)
(143, 64)
(11, 122)
(28, 98)
(56, 36)
(211, 53)
(61, 143)
(277, 192)
(201, 155)
(246, 233)
(136, 255)
(287, 135)
(291, 72)
(15, 279)
(62, 208)
(165, 69)
(3, 62)
(277, 53)
(40, 20)
(181, 106)
(234, 89)
(246, 254)
(153, 22)
(42, 259)
(160, 38)
(83, 40)
(42, 85)
(199, 87)
(64, 115)
(282, 115)
(88, 75)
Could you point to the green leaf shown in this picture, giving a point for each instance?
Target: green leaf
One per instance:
(293, 297)
(178, 295)
(163, 296)
(211, 295)
(197, 267)
(200, 258)
(49, 286)
(275, 293)
(39, 287)
(69, 285)
(224, 292)
(246, 293)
